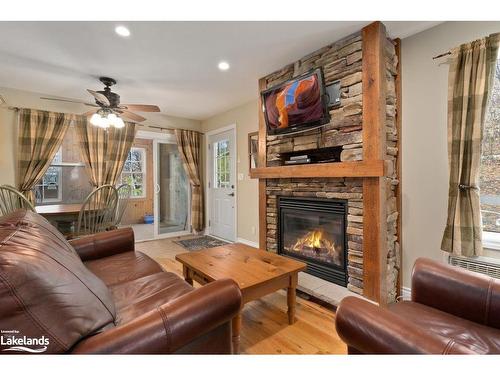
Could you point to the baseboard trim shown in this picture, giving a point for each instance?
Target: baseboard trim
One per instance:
(247, 242)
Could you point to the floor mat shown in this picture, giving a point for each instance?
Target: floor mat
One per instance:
(202, 242)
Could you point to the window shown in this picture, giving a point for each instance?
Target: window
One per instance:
(49, 189)
(66, 180)
(222, 162)
(490, 169)
(134, 172)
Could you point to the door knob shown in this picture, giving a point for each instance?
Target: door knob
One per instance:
(231, 194)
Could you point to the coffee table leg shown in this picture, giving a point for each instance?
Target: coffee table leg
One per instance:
(187, 275)
(291, 298)
(236, 327)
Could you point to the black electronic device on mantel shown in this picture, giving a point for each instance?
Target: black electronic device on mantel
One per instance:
(298, 104)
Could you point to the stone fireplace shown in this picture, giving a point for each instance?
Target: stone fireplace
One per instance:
(313, 230)
(362, 174)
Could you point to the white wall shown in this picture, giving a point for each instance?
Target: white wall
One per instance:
(424, 139)
(26, 99)
(246, 119)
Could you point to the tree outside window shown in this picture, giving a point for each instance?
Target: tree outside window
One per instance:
(490, 168)
(134, 172)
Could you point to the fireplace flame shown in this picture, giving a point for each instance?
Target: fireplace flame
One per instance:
(314, 240)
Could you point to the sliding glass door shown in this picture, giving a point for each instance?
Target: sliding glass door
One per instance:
(171, 191)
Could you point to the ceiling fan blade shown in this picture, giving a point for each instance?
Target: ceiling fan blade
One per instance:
(141, 107)
(65, 100)
(131, 115)
(88, 113)
(99, 97)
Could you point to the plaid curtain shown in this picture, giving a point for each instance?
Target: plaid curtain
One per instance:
(189, 144)
(40, 135)
(469, 84)
(104, 151)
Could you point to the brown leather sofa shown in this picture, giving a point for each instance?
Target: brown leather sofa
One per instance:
(97, 295)
(452, 311)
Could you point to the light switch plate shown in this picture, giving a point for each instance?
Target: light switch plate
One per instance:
(241, 176)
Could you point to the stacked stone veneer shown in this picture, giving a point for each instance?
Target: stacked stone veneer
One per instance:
(350, 189)
(392, 181)
(341, 60)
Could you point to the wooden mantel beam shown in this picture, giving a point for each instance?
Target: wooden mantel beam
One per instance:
(373, 168)
(374, 148)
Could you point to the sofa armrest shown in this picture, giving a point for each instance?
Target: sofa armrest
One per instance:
(371, 329)
(459, 292)
(173, 325)
(104, 244)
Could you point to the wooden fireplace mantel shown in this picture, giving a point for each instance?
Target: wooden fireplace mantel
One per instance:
(372, 169)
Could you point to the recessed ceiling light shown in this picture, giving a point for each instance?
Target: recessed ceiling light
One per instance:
(223, 65)
(122, 31)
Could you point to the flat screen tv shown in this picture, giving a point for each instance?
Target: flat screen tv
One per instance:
(297, 104)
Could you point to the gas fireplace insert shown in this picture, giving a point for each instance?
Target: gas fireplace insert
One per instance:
(313, 230)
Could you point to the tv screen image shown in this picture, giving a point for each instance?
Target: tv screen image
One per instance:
(295, 103)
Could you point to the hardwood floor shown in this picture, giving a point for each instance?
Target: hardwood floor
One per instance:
(265, 328)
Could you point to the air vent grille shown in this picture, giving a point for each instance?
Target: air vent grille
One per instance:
(479, 266)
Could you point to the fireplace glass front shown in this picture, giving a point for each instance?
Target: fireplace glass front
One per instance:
(313, 230)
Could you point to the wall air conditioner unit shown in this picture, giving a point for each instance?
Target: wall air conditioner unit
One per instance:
(480, 265)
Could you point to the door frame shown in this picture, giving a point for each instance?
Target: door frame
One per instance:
(158, 138)
(207, 177)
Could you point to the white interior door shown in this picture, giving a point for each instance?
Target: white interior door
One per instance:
(221, 184)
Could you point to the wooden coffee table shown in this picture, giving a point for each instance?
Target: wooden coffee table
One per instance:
(257, 273)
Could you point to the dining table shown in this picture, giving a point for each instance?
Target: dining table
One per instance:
(59, 209)
(62, 216)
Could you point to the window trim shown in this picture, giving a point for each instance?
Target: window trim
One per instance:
(143, 171)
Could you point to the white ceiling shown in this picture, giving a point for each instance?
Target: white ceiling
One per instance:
(171, 64)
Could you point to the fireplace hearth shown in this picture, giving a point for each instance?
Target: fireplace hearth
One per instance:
(314, 231)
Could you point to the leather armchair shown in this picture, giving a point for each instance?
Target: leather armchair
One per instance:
(452, 311)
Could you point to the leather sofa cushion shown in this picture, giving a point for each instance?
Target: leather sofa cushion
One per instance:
(45, 290)
(137, 297)
(123, 267)
(477, 337)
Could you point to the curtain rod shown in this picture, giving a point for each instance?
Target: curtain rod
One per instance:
(144, 126)
(442, 55)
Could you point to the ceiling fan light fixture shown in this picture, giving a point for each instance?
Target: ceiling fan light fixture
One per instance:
(119, 123)
(104, 119)
(100, 119)
(95, 119)
(115, 121)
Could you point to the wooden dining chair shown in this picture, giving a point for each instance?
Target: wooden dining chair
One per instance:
(11, 199)
(98, 211)
(124, 192)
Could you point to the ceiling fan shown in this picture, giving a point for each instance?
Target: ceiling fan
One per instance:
(107, 108)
